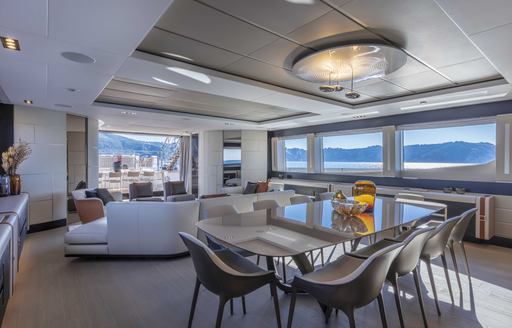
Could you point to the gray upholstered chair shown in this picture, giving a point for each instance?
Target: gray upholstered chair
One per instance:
(174, 191)
(300, 199)
(405, 262)
(227, 275)
(266, 204)
(142, 191)
(347, 283)
(326, 195)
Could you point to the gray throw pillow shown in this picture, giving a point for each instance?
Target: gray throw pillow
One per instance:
(104, 195)
(91, 194)
(250, 188)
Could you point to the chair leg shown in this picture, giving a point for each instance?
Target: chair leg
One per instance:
(351, 318)
(276, 303)
(243, 305)
(292, 307)
(220, 311)
(257, 260)
(455, 266)
(465, 261)
(284, 270)
(431, 277)
(396, 290)
(231, 306)
(194, 302)
(322, 256)
(420, 297)
(344, 248)
(445, 266)
(382, 311)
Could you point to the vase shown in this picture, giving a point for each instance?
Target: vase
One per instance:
(5, 185)
(15, 184)
(365, 191)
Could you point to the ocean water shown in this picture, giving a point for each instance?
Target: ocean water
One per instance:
(367, 166)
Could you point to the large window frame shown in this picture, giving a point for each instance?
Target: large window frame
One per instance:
(285, 161)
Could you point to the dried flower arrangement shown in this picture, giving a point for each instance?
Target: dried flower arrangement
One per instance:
(14, 156)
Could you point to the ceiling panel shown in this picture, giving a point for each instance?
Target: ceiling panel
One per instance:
(158, 41)
(141, 95)
(279, 16)
(380, 89)
(421, 27)
(329, 30)
(280, 53)
(199, 22)
(474, 70)
(14, 14)
(421, 81)
(474, 16)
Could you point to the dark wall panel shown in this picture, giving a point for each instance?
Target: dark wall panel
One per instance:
(6, 127)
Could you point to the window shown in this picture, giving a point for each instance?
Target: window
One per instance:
(449, 146)
(296, 155)
(352, 152)
(232, 156)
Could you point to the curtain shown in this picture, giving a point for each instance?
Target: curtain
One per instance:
(185, 163)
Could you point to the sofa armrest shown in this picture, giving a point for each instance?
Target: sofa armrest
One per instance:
(89, 209)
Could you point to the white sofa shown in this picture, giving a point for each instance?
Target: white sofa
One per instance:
(243, 203)
(136, 229)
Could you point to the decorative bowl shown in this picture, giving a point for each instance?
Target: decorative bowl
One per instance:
(349, 207)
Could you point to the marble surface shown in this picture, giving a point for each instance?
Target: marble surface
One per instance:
(301, 228)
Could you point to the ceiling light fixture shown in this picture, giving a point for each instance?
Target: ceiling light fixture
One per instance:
(170, 54)
(28, 101)
(10, 43)
(203, 78)
(354, 63)
(63, 105)
(164, 81)
(129, 113)
(455, 101)
(78, 57)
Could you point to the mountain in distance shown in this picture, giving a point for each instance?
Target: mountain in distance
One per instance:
(113, 144)
(448, 152)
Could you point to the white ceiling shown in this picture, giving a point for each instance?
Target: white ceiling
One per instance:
(458, 49)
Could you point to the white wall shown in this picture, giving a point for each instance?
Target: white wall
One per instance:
(77, 162)
(211, 145)
(92, 153)
(254, 156)
(44, 173)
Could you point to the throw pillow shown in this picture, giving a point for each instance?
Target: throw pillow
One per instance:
(177, 187)
(91, 194)
(104, 195)
(262, 186)
(250, 188)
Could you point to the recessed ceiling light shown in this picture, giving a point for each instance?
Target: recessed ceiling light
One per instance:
(28, 101)
(191, 74)
(301, 2)
(363, 115)
(63, 105)
(170, 54)
(128, 113)
(423, 102)
(229, 123)
(72, 89)
(78, 57)
(10, 43)
(455, 101)
(164, 81)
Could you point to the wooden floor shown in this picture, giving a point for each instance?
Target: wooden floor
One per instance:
(54, 291)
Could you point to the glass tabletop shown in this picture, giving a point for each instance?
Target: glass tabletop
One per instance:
(297, 229)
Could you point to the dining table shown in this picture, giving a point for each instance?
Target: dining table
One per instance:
(296, 231)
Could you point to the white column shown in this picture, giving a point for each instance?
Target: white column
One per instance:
(254, 156)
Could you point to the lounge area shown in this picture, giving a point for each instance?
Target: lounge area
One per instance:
(270, 163)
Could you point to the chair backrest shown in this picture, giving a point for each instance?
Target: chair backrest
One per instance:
(460, 228)
(210, 270)
(300, 199)
(149, 173)
(140, 189)
(326, 195)
(439, 238)
(114, 174)
(266, 204)
(221, 210)
(409, 256)
(409, 196)
(133, 174)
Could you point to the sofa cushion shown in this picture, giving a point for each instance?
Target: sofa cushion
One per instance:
(94, 232)
(180, 198)
(91, 194)
(104, 195)
(250, 188)
(262, 186)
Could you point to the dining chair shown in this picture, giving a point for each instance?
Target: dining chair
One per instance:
(300, 199)
(347, 283)
(326, 195)
(227, 275)
(457, 238)
(436, 247)
(405, 262)
(265, 204)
